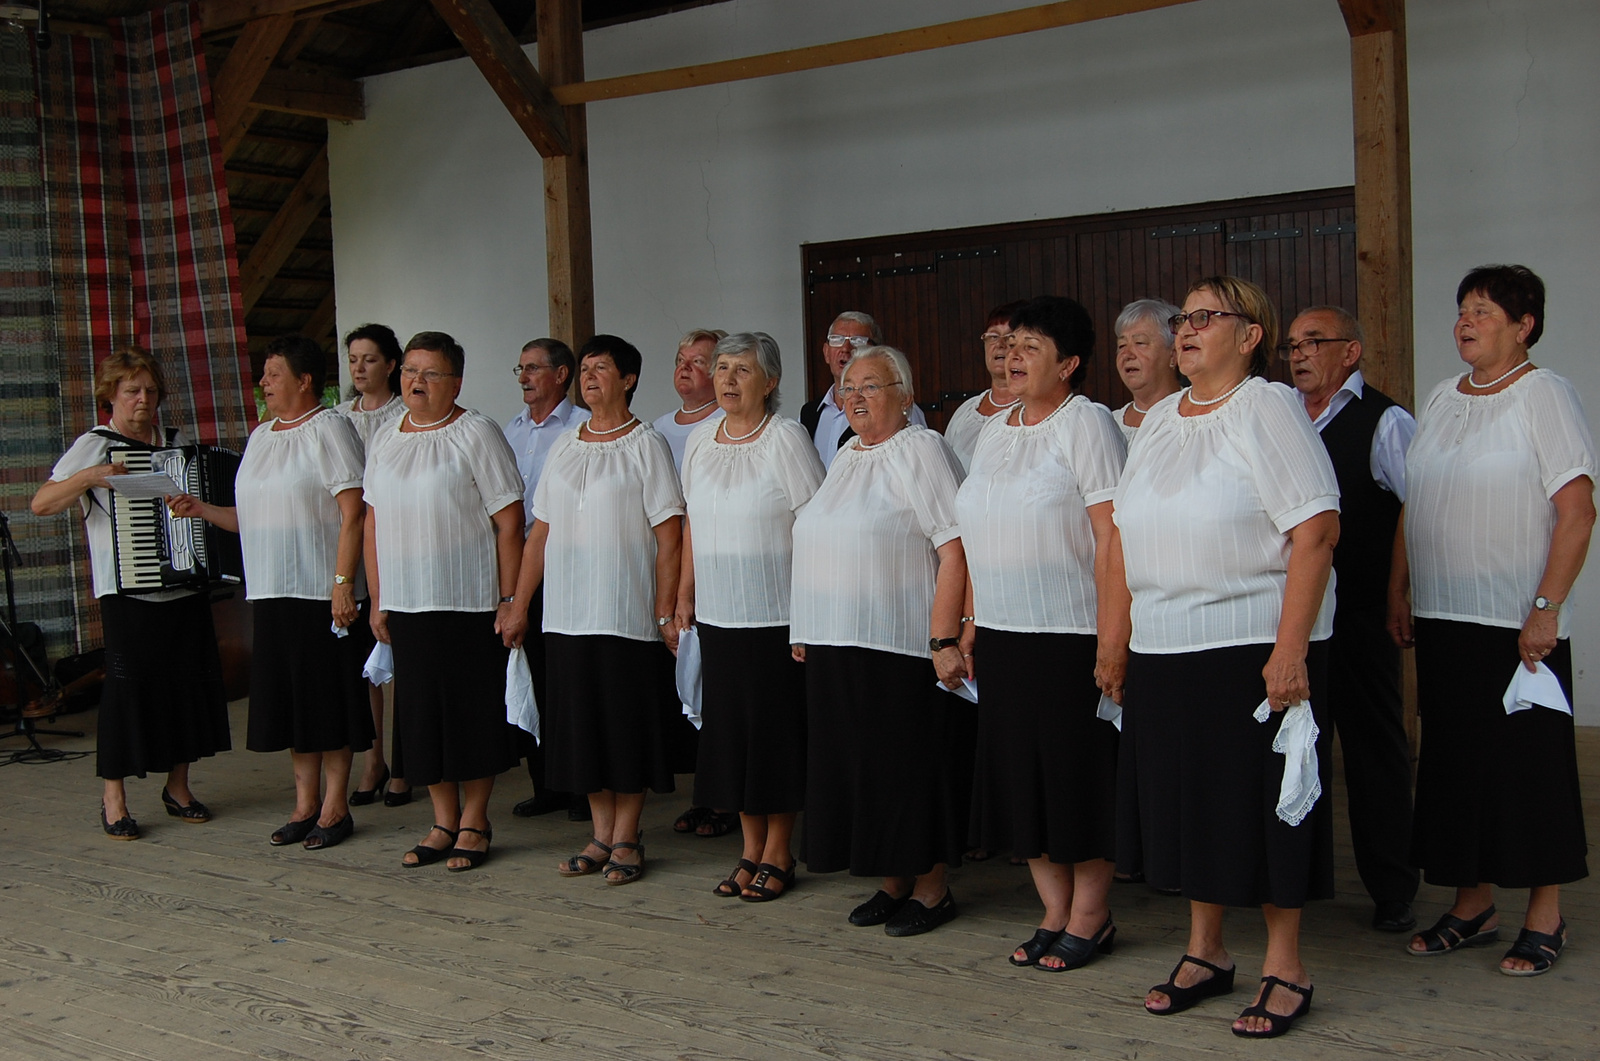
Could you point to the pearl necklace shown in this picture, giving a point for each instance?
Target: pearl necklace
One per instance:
(361, 403)
(699, 408)
(1518, 367)
(863, 445)
(1022, 414)
(436, 423)
(611, 431)
(998, 408)
(302, 416)
(731, 437)
(1224, 396)
(1141, 410)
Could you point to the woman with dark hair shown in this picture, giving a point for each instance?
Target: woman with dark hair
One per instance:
(443, 545)
(1226, 517)
(1035, 515)
(299, 516)
(962, 429)
(606, 546)
(1496, 526)
(163, 705)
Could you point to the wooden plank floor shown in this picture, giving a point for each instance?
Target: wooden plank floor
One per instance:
(205, 942)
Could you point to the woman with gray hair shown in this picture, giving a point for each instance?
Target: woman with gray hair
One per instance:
(878, 568)
(1146, 360)
(744, 477)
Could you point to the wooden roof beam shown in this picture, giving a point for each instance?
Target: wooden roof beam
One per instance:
(222, 16)
(314, 95)
(304, 205)
(241, 74)
(509, 72)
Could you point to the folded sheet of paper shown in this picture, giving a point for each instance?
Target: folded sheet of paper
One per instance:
(1297, 743)
(522, 704)
(1538, 688)
(689, 675)
(380, 664)
(139, 485)
(1110, 710)
(968, 690)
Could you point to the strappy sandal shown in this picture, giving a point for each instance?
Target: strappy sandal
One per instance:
(758, 892)
(192, 813)
(581, 865)
(1220, 982)
(690, 820)
(1540, 948)
(1043, 939)
(730, 888)
(427, 856)
(1452, 933)
(631, 871)
(1277, 1023)
(1075, 951)
(474, 858)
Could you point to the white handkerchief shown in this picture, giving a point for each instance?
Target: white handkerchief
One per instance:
(1539, 689)
(380, 664)
(1110, 710)
(1297, 743)
(968, 690)
(340, 631)
(689, 675)
(522, 705)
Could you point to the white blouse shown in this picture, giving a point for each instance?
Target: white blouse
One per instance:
(369, 420)
(288, 518)
(1205, 506)
(677, 435)
(89, 451)
(1121, 417)
(741, 500)
(1479, 478)
(964, 427)
(1025, 520)
(865, 544)
(601, 500)
(432, 494)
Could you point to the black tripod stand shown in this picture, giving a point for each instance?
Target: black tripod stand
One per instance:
(25, 726)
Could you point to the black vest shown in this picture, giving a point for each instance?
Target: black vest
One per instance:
(1367, 512)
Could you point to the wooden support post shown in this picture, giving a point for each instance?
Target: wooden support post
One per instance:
(305, 203)
(506, 67)
(569, 251)
(241, 74)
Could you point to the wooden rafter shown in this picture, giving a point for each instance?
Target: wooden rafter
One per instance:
(314, 95)
(236, 83)
(305, 203)
(506, 67)
(321, 323)
(224, 16)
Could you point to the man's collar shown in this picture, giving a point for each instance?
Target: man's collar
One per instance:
(828, 398)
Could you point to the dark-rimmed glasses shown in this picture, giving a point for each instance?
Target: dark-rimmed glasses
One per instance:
(1308, 347)
(1201, 317)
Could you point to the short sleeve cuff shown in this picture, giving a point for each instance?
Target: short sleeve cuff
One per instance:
(1553, 486)
(1098, 496)
(500, 501)
(660, 516)
(948, 534)
(1299, 514)
(338, 488)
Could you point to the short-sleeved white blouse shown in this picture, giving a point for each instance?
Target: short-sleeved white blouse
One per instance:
(677, 435)
(90, 450)
(1479, 478)
(367, 421)
(741, 500)
(963, 428)
(1025, 521)
(1205, 506)
(1121, 417)
(601, 500)
(284, 493)
(865, 545)
(432, 494)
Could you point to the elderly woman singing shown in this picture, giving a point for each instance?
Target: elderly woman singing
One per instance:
(1146, 360)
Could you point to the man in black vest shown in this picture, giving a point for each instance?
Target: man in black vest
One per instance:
(1366, 434)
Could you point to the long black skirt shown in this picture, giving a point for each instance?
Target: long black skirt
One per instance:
(450, 696)
(1198, 782)
(164, 701)
(306, 689)
(1497, 794)
(881, 800)
(610, 714)
(1047, 766)
(753, 717)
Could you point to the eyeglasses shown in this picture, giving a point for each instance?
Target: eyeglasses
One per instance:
(697, 362)
(866, 390)
(840, 341)
(1201, 317)
(1307, 347)
(527, 370)
(429, 377)
(989, 338)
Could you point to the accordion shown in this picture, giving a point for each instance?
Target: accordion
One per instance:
(156, 550)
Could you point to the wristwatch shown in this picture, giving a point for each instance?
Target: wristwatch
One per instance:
(1545, 604)
(662, 620)
(508, 600)
(936, 643)
(340, 580)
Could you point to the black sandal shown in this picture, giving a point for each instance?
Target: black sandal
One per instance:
(717, 823)
(758, 892)
(631, 871)
(192, 813)
(690, 820)
(321, 837)
(1220, 982)
(427, 856)
(474, 858)
(292, 832)
(730, 888)
(124, 828)
(1540, 948)
(1277, 1023)
(1075, 951)
(1452, 933)
(581, 865)
(1035, 948)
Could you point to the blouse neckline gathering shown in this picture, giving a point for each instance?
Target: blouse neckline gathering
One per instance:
(1023, 425)
(1479, 398)
(612, 443)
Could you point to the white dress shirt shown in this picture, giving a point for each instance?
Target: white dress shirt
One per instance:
(831, 424)
(531, 442)
(1389, 442)
(677, 435)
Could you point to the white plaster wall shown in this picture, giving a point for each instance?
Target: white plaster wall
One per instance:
(702, 197)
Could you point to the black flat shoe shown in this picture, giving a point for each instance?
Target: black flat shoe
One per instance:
(876, 910)
(124, 828)
(1393, 916)
(332, 835)
(395, 799)
(1220, 982)
(579, 811)
(914, 919)
(364, 797)
(1075, 952)
(193, 813)
(1277, 1023)
(427, 856)
(542, 803)
(474, 858)
(293, 832)
(1036, 947)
